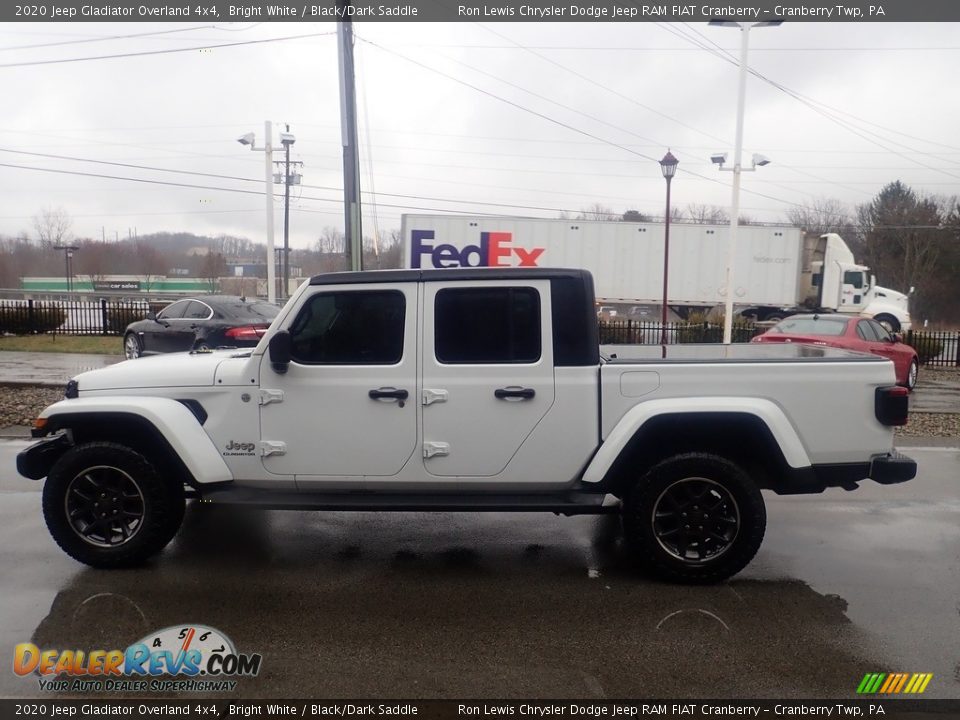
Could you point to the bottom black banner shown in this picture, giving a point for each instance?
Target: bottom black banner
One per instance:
(576, 709)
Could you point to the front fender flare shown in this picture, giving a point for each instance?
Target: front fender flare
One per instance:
(170, 418)
(633, 421)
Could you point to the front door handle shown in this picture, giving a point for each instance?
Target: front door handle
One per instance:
(389, 392)
(514, 392)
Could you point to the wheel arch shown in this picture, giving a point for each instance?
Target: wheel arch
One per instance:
(166, 432)
(757, 437)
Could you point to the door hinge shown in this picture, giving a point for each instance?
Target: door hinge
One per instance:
(432, 396)
(272, 447)
(434, 449)
(270, 396)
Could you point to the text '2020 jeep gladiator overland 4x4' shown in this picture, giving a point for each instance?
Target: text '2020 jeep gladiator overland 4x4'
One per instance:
(465, 389)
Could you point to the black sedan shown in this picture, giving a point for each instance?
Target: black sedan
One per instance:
(200, 324)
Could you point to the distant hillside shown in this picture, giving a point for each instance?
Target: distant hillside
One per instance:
(181, 243)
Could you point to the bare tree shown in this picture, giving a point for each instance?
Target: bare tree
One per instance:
(94, 260)
(822, 215)
(52, 226)
(212, 268)
(707, 214)
(331, 248)
(148, 262)
(597, 211)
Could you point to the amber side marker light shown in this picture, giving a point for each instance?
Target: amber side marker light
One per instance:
(39, 423)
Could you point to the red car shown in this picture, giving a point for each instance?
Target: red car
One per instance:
(851, 333)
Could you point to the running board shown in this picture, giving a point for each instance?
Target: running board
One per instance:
(566, 504)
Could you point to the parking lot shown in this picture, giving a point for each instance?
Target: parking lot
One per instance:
(517, 605)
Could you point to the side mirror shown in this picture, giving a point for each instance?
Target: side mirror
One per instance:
(281, 349)
(896, 337)
(152, 316)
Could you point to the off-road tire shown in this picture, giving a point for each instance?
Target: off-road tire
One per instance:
(728, 493)
(128, 474)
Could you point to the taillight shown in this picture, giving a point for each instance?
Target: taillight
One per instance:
(892, 405)
(247, 332)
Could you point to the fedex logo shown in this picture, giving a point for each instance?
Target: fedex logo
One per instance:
(495, 250)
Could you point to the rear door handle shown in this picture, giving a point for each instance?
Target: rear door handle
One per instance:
(387, 392)
(514, 392)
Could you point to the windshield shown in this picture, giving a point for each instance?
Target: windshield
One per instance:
(812, 326)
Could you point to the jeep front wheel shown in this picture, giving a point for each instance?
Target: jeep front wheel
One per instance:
(107, 506)
(695, 518)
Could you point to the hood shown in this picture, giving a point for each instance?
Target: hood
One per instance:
(891, 297)
(170, 370)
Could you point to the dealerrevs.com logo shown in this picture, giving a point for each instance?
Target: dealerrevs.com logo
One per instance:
(204, 655)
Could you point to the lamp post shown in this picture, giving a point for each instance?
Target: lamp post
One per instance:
(68, 251)
(736, 169)
(668, 165)
(267, 151)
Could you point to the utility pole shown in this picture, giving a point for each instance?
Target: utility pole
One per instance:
(287, 139)
(353, 236)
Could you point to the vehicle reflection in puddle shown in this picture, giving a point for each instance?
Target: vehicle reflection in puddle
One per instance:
(446, 605)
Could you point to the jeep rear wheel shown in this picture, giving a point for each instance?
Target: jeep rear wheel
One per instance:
(107, 506)
(695, 518)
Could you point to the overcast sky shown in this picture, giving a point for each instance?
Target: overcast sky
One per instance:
(559, 116)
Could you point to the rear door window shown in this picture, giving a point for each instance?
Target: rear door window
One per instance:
(496, 325)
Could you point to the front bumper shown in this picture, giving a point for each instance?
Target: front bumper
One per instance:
(35, 462)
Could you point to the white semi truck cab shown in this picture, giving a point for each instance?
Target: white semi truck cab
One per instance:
(841, 285)
(465, 389)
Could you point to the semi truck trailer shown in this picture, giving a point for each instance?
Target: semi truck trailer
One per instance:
(778, 270)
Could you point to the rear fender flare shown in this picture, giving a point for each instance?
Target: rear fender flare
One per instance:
(634, 420)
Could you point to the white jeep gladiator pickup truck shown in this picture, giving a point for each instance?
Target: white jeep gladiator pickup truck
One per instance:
(465, 389)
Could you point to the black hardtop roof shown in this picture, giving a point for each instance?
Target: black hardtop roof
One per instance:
(432, 275)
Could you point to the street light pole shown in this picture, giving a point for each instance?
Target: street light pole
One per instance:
(68, 251)
(669, 168)
(737, 169)
(286, 218)
(267, 150)
(268, 177)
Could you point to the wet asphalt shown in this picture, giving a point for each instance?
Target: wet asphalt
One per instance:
(446, 605)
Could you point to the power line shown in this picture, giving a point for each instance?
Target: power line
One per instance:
(105, 38)
(168, 51)
(600, 85)
(818, 106)
(559, 122)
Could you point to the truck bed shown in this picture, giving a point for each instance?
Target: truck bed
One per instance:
(823, 387)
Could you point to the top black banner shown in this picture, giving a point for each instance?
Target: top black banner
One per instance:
(472, 10)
